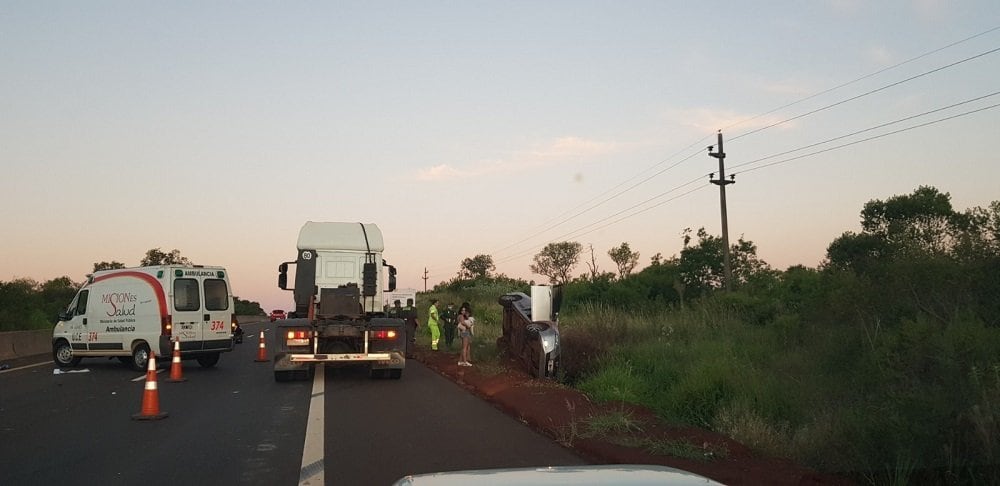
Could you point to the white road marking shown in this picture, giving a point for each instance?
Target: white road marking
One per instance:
(312, 473)
(8, 370)
(143, 377)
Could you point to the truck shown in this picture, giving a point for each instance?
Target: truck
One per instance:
(339, 317)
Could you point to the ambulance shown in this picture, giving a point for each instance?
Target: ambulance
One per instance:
(129, 313)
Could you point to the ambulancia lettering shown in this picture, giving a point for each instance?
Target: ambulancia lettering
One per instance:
(199, 273)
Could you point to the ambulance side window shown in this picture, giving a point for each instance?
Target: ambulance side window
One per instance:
(81, 303)
(186, 297)
(216, 294)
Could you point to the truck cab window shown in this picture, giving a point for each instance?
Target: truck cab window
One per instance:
(216, 295)
(186, 296)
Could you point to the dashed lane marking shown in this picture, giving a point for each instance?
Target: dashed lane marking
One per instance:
(312, 472)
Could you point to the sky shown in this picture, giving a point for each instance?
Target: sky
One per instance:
(470, 127)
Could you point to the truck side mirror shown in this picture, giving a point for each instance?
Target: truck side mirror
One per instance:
(392, 278)
(283, 276)
(65, 316)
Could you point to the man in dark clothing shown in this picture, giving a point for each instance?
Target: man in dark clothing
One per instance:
(395, 312)
(409, 313)
(449, 316)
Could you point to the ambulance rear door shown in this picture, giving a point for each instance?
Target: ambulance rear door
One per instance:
(189, 319)
(218, 310)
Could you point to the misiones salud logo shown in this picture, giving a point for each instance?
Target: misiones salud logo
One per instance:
(122, 303)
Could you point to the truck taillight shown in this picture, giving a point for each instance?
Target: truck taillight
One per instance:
(384, 334)
(297, 338)
(166, 325)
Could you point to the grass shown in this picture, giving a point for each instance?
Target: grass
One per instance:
(883, 406)
(686, 450)
(913, 401)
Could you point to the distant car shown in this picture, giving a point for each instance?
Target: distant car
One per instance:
(277, 314)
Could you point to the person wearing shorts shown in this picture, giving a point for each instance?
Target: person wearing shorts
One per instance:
(465, 323)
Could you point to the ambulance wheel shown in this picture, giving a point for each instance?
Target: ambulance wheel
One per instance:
(140, 357)
(62, 354)
(208, 360)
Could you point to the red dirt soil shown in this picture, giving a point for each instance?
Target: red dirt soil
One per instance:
(554, 410)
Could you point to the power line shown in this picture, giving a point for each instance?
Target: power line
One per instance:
(547, 226)
(574, 233)
(862, 95)
(830, 149)
(610, 198)
(880, 71)
(876, 127)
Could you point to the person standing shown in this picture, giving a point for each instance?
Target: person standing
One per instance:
(395, 312)
(449, 318)
(409, 313)
(465, 323)
(434, 324)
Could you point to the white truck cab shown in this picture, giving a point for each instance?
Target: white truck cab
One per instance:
(131, 312)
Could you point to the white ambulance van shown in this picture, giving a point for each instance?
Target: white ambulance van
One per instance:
(129, 312)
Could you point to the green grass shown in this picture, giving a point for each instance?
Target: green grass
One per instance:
(915, 401)
(686, 450)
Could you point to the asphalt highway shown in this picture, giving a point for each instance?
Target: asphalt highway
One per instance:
(233, 424)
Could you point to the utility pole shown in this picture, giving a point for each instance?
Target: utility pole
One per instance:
(425, 279)
(722, 182)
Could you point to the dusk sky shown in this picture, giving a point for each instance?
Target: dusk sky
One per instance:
(467, 127)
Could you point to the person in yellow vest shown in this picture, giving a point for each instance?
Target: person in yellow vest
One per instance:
(434, 323)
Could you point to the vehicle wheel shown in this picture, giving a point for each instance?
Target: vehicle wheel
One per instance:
(208, 360)
(140, 357)
(395, 374)
(62, 354)
(283, 376)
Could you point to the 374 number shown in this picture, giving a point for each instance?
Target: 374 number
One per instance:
(218, 325)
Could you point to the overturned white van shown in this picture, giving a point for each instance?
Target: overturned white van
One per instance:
(129, 312)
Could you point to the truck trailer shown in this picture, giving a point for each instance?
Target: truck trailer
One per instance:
(339, 316)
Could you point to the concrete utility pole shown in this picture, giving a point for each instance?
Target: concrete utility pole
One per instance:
(722, 183)
(425, 279)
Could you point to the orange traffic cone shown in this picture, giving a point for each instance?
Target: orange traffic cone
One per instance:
(176, 374)
(261, 350)
(150, 396)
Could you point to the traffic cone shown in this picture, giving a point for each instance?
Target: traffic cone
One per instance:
(150, 396)
(261, 350)
(176, 374)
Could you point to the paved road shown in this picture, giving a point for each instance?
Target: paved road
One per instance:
(234, 424)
